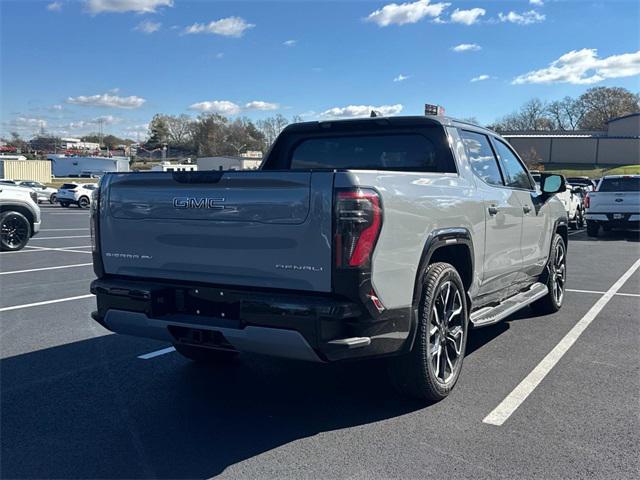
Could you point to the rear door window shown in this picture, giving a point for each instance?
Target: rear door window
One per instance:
(515, 173)
(623, 184)
(406, 151)
(68, 186)
(483, 160)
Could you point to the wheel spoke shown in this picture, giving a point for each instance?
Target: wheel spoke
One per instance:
(455, 338)
(446, 354)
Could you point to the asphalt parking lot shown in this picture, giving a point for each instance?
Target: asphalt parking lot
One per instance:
(539, 397)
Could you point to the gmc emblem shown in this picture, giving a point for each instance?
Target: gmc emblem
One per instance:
(202, 202)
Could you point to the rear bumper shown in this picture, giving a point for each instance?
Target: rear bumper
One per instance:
(285, 324)
(615, 220)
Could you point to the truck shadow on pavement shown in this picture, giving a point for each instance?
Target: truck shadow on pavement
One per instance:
(91, 409)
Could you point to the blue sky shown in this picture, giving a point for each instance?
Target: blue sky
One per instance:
(68, 64)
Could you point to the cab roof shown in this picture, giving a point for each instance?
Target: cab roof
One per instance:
(368, 122)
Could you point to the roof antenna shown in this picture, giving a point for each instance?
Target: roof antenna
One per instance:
(375, 113)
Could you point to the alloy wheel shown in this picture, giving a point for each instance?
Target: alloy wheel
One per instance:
(558, 273)
(446, 331)
(14, 232)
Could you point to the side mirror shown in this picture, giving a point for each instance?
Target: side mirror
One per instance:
(551, 183)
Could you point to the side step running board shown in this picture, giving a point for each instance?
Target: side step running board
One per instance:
(491, 315)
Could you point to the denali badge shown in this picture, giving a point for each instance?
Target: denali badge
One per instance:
(308, 268)
(198, 202)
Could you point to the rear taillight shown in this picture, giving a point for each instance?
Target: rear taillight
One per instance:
(587, 201)
(358, 220)
(94, 229)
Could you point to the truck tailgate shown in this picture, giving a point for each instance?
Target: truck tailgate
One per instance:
(252, 228)
(614, 202)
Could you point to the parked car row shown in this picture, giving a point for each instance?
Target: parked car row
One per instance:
(68, 194)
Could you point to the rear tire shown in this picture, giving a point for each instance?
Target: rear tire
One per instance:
(84, 202)
(15, 231)
(205, 355)
(592, 229)
(431, 369)
(554, 277)
(53, 198)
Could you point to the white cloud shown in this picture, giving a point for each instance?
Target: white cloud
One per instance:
(466, 47)
(467, 17)
(223, 107)
(26, 122)
(410, 12)
(583, 67)
(537, 3)
(480, 78)
(227, 107)
(56, 107)
(107, 100)
(228, 27)
(147, 26)
(290, 43)
(54, 6)
(260, 105)
(120, 6)
(401, 78)
(361, 111)
(524, 18)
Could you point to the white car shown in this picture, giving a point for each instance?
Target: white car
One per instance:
(45, 194)
(572, 205)
(19, 216)
(571, 201)
(76, 193)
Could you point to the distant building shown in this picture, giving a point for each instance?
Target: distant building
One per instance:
(229, 163)
(77, 144)
(77, 166)
(12, 157)
(618, 145)
(252, 154)
(175, 167)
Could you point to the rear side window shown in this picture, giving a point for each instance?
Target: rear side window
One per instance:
(68, 186)
(514, 172)
(407, 151)
(481, 157)
(623, 184)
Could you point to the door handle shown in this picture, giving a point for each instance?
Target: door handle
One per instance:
(526, 209)
(493, 210)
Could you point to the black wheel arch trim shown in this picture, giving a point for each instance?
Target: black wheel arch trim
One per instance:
(439, 238)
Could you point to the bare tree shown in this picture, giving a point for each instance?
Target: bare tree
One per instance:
(179, 129)
(601, 104)
(271, 127)
(566, 114)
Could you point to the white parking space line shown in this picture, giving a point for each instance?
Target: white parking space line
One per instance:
(58, 238)
(602, 293)
(46, 268)
(61, 229)
(510, 404)
(32, 249)
(157, 353)
(47, 302)
(576, 232)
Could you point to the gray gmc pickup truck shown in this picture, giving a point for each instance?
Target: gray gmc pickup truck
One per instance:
(379, 237)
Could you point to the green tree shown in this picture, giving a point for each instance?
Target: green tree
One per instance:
(158, 131)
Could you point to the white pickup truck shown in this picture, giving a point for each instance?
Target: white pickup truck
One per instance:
(614, 204)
